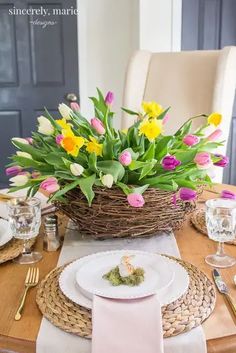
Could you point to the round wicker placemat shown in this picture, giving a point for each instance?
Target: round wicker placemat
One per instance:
(13, 249)
(180, 316)
(198, 220)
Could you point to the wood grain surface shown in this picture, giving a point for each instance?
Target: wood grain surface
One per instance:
(220, 328)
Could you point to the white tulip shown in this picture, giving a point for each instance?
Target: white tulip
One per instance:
(24, 154)
(19, 180)
(76, 169)
(19, 139)
(107, 180)
(45, 126)
(65, 111)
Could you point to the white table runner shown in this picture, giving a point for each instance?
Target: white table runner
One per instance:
(53, 340)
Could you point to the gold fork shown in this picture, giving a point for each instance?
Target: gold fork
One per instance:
(31, 280)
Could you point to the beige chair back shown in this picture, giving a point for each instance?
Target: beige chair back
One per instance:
(192, 82)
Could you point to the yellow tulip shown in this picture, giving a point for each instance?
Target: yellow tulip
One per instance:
(151, 128)
(214, 119)
(152, 109)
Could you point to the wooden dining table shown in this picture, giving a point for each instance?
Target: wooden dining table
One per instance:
(20, 336)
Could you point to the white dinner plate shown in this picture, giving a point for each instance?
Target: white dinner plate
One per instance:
(5, 232)
(68, 285)
(157, 275)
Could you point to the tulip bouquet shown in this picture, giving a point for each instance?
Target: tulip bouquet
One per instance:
(71, 152)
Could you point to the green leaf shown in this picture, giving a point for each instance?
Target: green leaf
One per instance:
(28, 162)
(185, 183)
(124, 188)
(150, 152)
(55, 159)
(50, 118)
(64, 190)
(86, 186)
(137, 165)
(186, 156)
(140, 189)
(92, 162)
(130, 112)
(162, 115)
(145, 170)
(162, 146)
(114, 168)
(35, 153)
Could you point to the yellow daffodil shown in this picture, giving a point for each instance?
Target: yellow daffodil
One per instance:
(152, 109)
(94, 147)
(63, 123)
(214, 119)
(151, 128)
(71, 143)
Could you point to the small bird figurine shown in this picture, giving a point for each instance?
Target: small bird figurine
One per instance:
(125, 267)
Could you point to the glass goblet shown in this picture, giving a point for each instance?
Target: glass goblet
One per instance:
(24, 215)
(221, 227)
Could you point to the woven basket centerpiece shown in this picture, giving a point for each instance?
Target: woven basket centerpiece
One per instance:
(110, 216)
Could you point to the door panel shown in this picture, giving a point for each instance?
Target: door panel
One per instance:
(210, 24)
(38, 67)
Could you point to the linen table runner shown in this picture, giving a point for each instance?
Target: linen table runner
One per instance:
(53, 340)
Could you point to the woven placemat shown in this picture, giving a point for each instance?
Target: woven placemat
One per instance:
(13, 249)
(198, 220)
(180, 316)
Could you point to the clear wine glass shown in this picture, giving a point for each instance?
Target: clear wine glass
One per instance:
(24, 215)
(221, 227)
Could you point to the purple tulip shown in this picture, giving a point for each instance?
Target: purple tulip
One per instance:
(59, 138)
(14, 170)
(187, 194)
(109, 98)
(223, 162)
(226, 194)
(170, 162)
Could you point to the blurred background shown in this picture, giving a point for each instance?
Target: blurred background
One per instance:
(45, 60)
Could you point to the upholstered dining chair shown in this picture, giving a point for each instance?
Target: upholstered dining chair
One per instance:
(192, 82)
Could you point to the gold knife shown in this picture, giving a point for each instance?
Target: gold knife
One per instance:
(223, 289)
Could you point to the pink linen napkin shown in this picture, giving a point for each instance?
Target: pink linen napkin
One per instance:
(127, 326)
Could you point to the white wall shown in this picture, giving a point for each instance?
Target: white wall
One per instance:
(106, 41)
(110, 31)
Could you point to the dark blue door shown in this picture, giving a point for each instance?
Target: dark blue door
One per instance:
(211, 24)
(38, 65)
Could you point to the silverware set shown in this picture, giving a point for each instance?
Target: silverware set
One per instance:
(224, 290)
(31, 280)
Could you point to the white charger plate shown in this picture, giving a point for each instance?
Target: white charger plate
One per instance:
(69, 287)
(157, 274)
(5, 232)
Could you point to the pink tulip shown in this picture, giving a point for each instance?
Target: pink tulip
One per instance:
(125, 158)
(30, 140)
(50, 185)
(75, 106)
(191, 140)
(135, 200)
(98, 126)
(227, 194)
(59, 138)
(166, 119)
(13, 171)
(215, 135)
(203, 160)
(109, 98)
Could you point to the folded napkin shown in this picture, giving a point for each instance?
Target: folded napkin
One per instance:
(127, 326)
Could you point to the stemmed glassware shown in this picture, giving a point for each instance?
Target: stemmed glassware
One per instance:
(24, 215)
(221, 227)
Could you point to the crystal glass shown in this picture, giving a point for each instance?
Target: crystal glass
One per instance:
(24, 217)
(221, 227)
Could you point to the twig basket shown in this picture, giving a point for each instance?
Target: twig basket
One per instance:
(110, 215)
